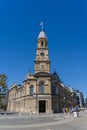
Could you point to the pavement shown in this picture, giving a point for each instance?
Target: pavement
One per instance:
(19, 121)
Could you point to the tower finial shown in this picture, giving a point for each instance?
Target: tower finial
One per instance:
(41, 24)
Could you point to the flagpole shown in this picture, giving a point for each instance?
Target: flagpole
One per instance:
(42, 25)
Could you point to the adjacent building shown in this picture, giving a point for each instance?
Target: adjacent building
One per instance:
(80, 98)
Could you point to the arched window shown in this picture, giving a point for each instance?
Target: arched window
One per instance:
(41, 87)
(31, 90)
(42, 43)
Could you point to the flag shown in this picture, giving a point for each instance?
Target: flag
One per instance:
(41, 24)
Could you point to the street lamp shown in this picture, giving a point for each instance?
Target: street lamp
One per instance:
(64, 101)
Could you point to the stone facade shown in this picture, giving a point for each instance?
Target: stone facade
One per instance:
(40, 92)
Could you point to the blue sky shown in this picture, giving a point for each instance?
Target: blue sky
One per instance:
(65, 23)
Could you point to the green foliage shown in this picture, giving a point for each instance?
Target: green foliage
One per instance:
(3, 81)
(3, 88)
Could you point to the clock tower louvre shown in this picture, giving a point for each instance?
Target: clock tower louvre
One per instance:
(42, 61)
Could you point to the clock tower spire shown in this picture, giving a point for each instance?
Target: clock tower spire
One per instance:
(42, 62)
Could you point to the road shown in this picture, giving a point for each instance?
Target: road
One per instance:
(48, 123)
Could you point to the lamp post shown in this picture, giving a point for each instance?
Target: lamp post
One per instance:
(65, 101)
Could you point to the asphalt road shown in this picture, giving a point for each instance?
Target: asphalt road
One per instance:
(45, 123)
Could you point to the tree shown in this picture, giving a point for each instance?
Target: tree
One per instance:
(3, 90)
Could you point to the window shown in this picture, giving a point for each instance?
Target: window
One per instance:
(42, 88)
(53, 89)
(46, 45)
(31, 90)
(42, 43)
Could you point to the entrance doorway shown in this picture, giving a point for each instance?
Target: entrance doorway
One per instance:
(42, 106)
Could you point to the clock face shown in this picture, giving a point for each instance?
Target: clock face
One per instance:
(42, 54)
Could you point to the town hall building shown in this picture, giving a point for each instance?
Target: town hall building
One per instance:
(41, 92)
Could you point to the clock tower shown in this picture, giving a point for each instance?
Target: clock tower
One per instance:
(42, 62)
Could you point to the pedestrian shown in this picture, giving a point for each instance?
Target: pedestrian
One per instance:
(63, 110)
(66, 109)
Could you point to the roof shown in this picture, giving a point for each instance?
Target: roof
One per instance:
(42, 34)
(42, 74)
